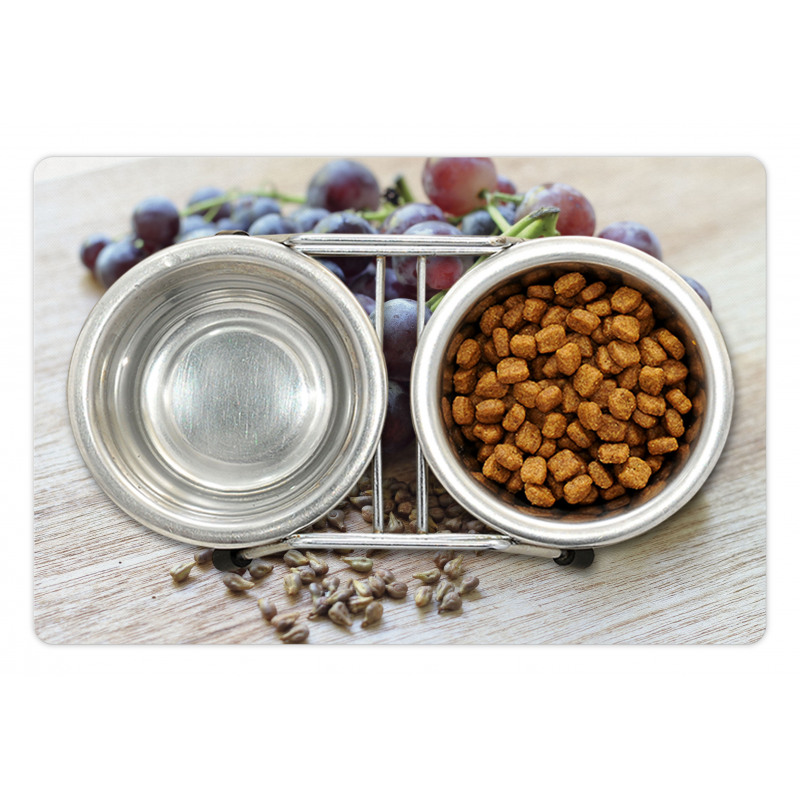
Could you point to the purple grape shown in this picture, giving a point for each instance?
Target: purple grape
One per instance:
(248, 208)
(116, 259)
(343, 185)
(364, 283)
(398, 430)
(306, 217)
(441, 272)
(576, 215)
(700, 289)
(403, 217)
(505, 185)
(456, 184)
(91, 247)
(400, 336)
(192, 223)
(211, 193)
(198, 233)
(271, 224)
(633, 234)
(156, 222)
(367, 302)
(480, 223)
(346, 222)
(332, 267)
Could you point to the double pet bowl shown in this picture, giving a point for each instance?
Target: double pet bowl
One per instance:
(229, 391)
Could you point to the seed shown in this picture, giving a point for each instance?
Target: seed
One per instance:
(445, 587)
(282, 622)
(295, 635)
(386, 575)
(267, 608)
(294, 558)
(443, 556)
(453, 524)
(236, 583)
(450, 602)
(405, 508)
(429, 576)
(319, 566)
(364, 482)
(307, 575)
(394, 525)
(336, 518)
(368, 514)
(359, 563)
(292, 583)
(331, 583)
(453, 569)
(423, 596)
(344, 591)
(363, 589)
(397, 590)
(377, 584)
(454, 510)
(373, 614)
(203, 556)
(180, 572)
(259, 568)
(342, 504)
(437, 514)
(357, 604)
(319, 607)
(469, 584)
(360, 502)
(339, 614)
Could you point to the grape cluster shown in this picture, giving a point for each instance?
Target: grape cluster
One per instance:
(464, 197)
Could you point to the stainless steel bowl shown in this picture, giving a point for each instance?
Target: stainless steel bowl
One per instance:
(227, 391)
(680, 309)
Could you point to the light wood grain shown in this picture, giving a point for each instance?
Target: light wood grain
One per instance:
(700, 577)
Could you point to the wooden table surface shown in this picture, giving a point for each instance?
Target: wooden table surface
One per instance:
(699, 577)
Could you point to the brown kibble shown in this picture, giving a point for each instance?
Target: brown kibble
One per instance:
(533, 309)
(491, 434)
(582, 321)
(555, 315)
(673, 422)
(549, 398)
(625, 299)
(624, 353)
(512, 319)
(587, 379)
(495, 471)
(490, 411)
(568, 358)
(491, 318)
(602, 307)
(528, 438)
(500, 341)
(661, 445)
(649, 404)
(652, 353)
(651, 380)
(565, 465)
(543, 291)
(593, 291)
(526, 393)
(468, 354)
(671, 343)
(489, 386)
(614, 491)
(514, 418)
(579, 434)
(600, 475)
(464, 380)
(513, 370)
(548, 448)
(679, 401)
(508, 456)
(625, 328)
(674, 371)
(539, 496)
(550, 338)
(613, 453)
(570, 284)
(605, 363)
(634, 474)
(590, 415)
(534, 470)
(577, 489)
(643, 420)
(463, 411)
(523, 346)
(621, 404)
(629, 377)
(514, 484)
(554, 426)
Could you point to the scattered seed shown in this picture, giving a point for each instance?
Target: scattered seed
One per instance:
(267, 608)
(429, 576)
(204, 556)
(363, 589)
(394, 525)
(454, 524)
(423, 596)
(339, 614)
(359, 563)
(307, 575)
(292, 583)
(336, 518)
(443, 556)
(469, 584)
(282, 622)
(361, 501)
(294, 558)
(442, 589)
(259, 568)
(331, 583)
(450, 602)
(295, 635)
(454, 569)
(344, 591)
(319, 607)
(386, 575)
(397, 590)
(373, 614)
(377, 584)
(180, 572)
(357, 603)
(368, 514)
(319, 566)
(236, 583)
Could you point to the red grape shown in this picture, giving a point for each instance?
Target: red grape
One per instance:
(156, 222)
(400, 336)
(402, 218)
(91, 248)
(455, 184)
(344, 185)
(505, 185)
(398, 430)
(576, 215)
(441, 272)
(634, 234)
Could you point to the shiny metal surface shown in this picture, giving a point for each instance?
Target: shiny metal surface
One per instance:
(672, 298)
(227, 391)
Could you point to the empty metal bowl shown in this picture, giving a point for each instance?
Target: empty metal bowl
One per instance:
(677, 307)
(227, 391)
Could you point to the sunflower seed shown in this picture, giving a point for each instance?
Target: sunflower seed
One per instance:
(357, 604)
(339, 614)
(282, 622)
(336, 518)
(454, 569)
(423, 596)
(368, 514)
(307, 575)
(469, 584)
(203, 556)
(397, 590)
(331, 583)
(236, 583)
(359, 563)
(294, 558)
(386, 575)
(319, 566)
(394, 525)
(443, 556)
(344, 591)
(373, 614)
(430, 576)
(377, 584)
(267, 608)
(361, 501)
(450, 602)
(363, 589)
(292, 583)
(295, 635)
(180, 572)
(259, 568)
(445, 587)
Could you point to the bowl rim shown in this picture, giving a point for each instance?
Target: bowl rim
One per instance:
(265, 259)
(503, 267)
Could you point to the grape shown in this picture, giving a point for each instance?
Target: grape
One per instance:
(91, 247)
(479, 223)
(364, 283)
(441, 272)
(156, 222)
(346, 222)
(399, 336)
(211, 193)
(576, 215)
(403, 217)
(198, 233)
(634, 234)
(192, 223)
(398, 430)
(248, 208)
(455, 184)
(116, 259)
(700, 289)
(505, 185)
(332, 267)
(344, 185)
(271, 224)
(367, 302)
(306, 217)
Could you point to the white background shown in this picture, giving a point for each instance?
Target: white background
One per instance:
(407, 79)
